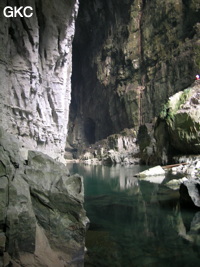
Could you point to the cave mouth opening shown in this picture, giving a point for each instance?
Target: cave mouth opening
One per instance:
(89, 130)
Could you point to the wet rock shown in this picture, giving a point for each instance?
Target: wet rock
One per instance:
(157, 170)
(175, 183)
(156, 179)
(190, 194)
(191, 170)
(112, 157)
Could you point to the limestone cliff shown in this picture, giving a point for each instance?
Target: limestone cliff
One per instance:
(35, 73)
(42, 219)
(129, 57)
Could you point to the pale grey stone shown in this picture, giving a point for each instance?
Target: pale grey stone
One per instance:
(157, 170)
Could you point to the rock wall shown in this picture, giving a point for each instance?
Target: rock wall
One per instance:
(129, 57)
(42, 220)
(119, 148)
(35, 73)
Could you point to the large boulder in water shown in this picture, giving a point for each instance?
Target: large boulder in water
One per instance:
(154, 171)
(182, 116)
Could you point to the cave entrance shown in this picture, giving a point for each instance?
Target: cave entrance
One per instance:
(89, 130)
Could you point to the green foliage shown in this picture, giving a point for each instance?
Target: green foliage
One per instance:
(183, 98)
(168, 112)
(164, 111)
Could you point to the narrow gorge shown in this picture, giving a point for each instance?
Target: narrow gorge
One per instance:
(101, 81)
(128, 58)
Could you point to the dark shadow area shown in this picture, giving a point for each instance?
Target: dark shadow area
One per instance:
(89, 130)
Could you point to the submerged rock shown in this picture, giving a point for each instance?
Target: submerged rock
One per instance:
(175, 183)
(156, 179)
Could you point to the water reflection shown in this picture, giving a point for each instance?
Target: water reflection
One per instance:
(136, 223)
(123, 174)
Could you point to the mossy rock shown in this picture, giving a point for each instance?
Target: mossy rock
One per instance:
(182, 116)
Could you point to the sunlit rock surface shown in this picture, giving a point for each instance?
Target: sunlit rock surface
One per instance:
(42, 219)
(176, 133)
(154, 171)
(183, 120)
(35, 74)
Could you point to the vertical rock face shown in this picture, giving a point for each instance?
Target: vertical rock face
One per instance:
(42, 219)
(129, 57)
(35, 76)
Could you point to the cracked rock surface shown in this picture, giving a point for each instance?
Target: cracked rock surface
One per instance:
(42, 219)
(35, 73)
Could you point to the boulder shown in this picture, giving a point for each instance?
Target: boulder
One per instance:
(190, 193)
(182, 116)
(157, 170)
(42, 219)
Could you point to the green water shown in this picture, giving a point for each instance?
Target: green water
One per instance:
(136, 223)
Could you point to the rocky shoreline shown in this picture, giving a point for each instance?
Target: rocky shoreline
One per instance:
(172, 137)
(42, 219)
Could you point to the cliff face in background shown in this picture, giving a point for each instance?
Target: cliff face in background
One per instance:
(129, 57)
(35, 76)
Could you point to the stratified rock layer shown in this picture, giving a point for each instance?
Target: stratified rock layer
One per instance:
(129, 57)
(35, 73)
(119, 148)
(42, 219)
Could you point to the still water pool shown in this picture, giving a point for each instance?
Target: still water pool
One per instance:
(136, 223)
